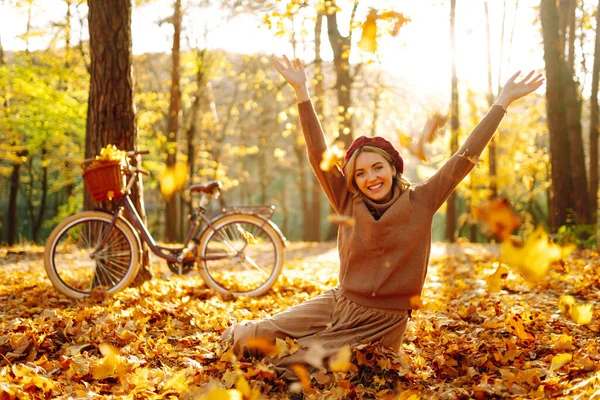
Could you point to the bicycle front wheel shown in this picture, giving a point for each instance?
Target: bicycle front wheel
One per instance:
(76, 268)
(242, 255)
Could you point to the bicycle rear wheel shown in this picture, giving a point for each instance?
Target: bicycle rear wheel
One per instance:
(71, 264)
(247, 255)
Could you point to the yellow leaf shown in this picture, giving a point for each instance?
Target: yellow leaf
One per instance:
(368, 39)
(106, 368)
(515, 322)
(340, 362)
(173, 179)
(176, 382)
(331, 157)
(303, 377)
(246, 235)
(341, 220)
(532, 260)
(494, 281)
(415, 302)
(565, 302)
(263, 345)
(216, 393)
(242, 385)
(581, 313)
(498, 216)
(559, 360)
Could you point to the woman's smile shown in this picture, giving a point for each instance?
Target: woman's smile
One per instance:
(374, 176)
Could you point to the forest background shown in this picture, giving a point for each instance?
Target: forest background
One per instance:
(421, 74)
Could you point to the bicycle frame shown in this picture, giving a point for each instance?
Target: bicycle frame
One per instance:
(127, 205)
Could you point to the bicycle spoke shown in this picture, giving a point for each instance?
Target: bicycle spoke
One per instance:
(250, 261)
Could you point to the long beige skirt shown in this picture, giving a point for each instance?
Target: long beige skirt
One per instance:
(321, 326)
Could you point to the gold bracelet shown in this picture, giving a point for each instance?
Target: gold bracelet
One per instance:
(501, 106)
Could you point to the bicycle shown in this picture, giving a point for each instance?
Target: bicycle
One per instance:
(239, 252)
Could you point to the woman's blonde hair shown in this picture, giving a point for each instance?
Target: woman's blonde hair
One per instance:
(399, 179)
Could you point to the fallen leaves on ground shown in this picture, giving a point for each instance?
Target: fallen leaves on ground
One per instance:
(162, 339)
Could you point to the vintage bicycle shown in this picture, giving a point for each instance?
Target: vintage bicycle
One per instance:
(240, 251)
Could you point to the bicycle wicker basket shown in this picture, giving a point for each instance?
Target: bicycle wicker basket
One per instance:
(104, 179)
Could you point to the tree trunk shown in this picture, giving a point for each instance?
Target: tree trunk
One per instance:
(319, 100)
(15, 181)
(37, 224)
(562, 187)
(111, 113)
(450, 234)
(341, 46)
(493, 173)
(594, 126)
(172, 215)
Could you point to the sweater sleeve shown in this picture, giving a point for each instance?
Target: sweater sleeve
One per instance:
(435, 190)
(332, 181)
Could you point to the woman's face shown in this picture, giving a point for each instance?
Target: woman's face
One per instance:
(374, 176)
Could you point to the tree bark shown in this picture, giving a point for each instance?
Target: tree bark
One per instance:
(172, 212)
(111, 112)
(562, 187)
(314, 233)
(450, 234)
(341, 47)
(493, 173)
(594, 117)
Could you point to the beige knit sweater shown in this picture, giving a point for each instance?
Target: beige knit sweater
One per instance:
(383, 262)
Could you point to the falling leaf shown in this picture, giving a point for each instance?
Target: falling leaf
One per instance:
(494, 281)
(106, 368)
(434, 124)
(415, 302)
(498, 217)
(173, 179)
(246, 235)
(559, 360)
(532, 260)
(341, 220)
(331, 157)
(565, 302)
(340, 362)
(303, 376)
(581, 313)
(263, 345)
(368, 39)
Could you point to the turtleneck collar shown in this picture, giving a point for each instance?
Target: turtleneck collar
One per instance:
(378, 208)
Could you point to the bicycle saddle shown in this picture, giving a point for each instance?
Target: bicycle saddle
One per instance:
(208, 187)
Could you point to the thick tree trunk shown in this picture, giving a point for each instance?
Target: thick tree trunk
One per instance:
(493, 173)
(562, 187)
(341, 47)
(314, 233)
(172, 212)
(111, 113)
(594, 120)
(11, 212)
(450, 234)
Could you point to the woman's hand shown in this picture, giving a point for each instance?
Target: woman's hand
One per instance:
(295, 75)
(514, 90)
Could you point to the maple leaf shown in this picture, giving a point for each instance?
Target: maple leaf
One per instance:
(341, 220)
(532, 259)
(172, 179)
(331, 157)
(559, 360)
(340, 362)
(494, 281)
(498, 217)
(368, 39)
(581, 313)
(107, 367)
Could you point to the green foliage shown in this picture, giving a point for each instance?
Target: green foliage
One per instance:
(580, 235)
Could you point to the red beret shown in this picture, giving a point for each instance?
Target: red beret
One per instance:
(375, 141)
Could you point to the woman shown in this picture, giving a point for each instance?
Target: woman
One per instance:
(384, 254)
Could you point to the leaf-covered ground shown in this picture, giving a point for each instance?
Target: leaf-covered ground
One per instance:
(162, 340)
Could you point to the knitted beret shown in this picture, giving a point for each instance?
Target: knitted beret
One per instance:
(375, 141)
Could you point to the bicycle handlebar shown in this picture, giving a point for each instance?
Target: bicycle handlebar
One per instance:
(135, 153)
